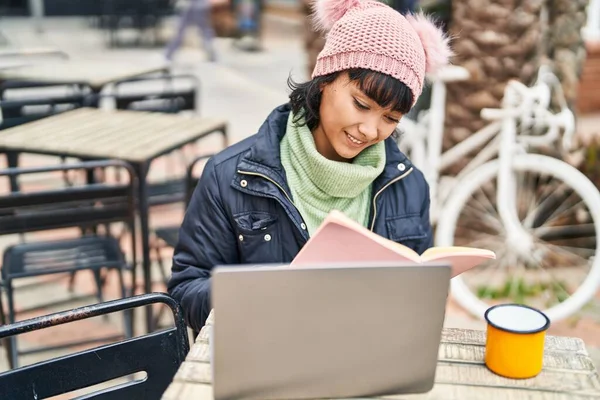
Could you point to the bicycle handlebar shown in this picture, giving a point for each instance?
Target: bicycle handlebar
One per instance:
(539, 117)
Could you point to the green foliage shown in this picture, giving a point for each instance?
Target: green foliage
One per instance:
(518, 291)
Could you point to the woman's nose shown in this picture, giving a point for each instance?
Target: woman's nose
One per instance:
(368, 129)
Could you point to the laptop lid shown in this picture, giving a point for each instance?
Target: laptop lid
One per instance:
(286, 332)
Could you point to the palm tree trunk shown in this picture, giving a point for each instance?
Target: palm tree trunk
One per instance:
(502, 40)
(566, 47)
(496, 41)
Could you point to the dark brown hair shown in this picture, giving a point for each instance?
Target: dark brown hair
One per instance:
(305, 98)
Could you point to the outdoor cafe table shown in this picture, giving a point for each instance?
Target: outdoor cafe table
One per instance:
(95, 73)
(30, 51)
(132, 136)
(568, 372)
(6, 54)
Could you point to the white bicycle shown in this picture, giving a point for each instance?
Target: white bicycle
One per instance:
(539, 214)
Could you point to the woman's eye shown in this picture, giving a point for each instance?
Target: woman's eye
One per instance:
(393, 120)
(359, 105)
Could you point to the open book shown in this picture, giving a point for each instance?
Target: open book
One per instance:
(341, 239)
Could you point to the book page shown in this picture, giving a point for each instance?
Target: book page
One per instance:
(340, 239)
(434, 252)
(460, 258)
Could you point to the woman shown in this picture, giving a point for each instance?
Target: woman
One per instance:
(329, 148)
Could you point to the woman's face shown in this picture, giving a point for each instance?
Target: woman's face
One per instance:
(350, 121)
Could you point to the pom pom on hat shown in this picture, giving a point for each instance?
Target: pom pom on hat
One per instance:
(434, 41)
(328, 12)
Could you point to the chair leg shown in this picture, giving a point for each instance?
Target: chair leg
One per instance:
(98, 280)
(12, 349)
(72, 281)
(66, 178)
(12, 159)
(99, 285)
(5, 342)
(2, 314)
(161, 265)
(127, 314)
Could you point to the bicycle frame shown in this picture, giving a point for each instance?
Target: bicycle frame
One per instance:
(498, 139)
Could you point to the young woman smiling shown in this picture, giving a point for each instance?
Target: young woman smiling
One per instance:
(330, 147)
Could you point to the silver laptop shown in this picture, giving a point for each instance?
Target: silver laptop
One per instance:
(286, 332)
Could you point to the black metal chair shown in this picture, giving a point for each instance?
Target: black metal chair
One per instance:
(169, 235)
(87, 207)
(159, 354)
(141, 15)
(22, 102)
(168, 99)
(164, 93)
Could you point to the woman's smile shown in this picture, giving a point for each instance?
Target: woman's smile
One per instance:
(353, 141)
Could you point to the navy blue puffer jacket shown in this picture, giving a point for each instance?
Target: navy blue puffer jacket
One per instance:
(242, 212)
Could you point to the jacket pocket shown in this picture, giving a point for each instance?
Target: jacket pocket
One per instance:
(258, 237)
(406, 229)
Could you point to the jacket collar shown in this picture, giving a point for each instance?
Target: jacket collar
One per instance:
(396, 164)
(264, 156)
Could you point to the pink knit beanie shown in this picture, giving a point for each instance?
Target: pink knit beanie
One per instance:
(371, 35)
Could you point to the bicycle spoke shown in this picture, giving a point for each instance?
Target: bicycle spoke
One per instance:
(489, 274)
(483, 217)
(570, 251)
(564, 207)
(566, 211)
(530, 201)
(544, 184)
(545, 204)
(566, 232)
(480, 240)
(489, 204)
(473, 230)
(557, 283)
(533, 209)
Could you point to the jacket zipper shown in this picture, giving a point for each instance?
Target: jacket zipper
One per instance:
(270, 180)
(276, 184)
(381, 190)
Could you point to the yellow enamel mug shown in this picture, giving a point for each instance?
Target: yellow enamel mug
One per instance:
(515, 340)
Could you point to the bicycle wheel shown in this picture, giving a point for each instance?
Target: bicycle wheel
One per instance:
(558, 206)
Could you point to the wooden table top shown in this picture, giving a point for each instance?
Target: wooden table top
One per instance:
(133, 136)
(93, 72)
(29, 51)
(568, 373)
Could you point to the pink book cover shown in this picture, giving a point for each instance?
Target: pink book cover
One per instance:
(340, 239)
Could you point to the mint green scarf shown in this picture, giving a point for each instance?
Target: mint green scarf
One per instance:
(319, 185)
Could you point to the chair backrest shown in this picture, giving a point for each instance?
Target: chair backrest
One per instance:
(139, 8)
(175, 190)
(22, 102)
(85, 205)
(159, 354)
(167, 94)
(192, 178)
